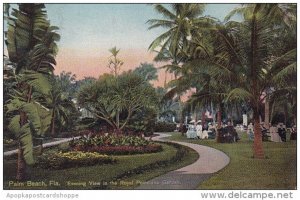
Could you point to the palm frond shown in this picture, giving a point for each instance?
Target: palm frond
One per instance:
(164, 11)
(239, 94)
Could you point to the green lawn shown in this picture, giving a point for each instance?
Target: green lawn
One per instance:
(83, 176)
(277, 171)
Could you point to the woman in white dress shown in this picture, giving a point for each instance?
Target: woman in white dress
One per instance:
(274, 134)
(199, 130)
(250, 131)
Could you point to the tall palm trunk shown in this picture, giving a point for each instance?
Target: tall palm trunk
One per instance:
(272, 111)
(203, 118)
(267, 113)
(257, 145)
(181, 120)
(286, 114)
(212, 112)
(195, 117)
(219, 119)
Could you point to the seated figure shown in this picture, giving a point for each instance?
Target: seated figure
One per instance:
(204, 134)
(191, 132)
(231, 130)
(274, 134)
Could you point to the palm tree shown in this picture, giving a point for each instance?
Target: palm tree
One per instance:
(185, 31)
(61, 106)
(245, 58)
(31, 45)
(179, 20)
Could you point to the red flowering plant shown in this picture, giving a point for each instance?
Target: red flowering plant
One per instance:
(115, 144)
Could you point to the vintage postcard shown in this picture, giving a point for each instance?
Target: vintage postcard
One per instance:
(170, 96)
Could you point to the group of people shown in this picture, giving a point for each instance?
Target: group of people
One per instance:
(199, 131)
(228, 134)
(276, 133)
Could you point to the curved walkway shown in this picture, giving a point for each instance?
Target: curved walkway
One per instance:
(48, 144)
(189, 177)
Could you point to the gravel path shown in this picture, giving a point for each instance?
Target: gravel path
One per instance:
(49, 144)
(189, 177)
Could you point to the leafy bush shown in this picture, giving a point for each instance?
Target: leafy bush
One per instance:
(72, 159)
(143, 122)
(109, 140)
(113, 144)
(164, 127)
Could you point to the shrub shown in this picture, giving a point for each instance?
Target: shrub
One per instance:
(109, 140)
(164, 127)
(72, 159)
(113, 144)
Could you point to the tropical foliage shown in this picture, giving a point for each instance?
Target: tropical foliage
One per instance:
(231, 63)
(114, 63)
(109, 96)
(61, 160)
(112, 144)
(31, 44)
(147, 71)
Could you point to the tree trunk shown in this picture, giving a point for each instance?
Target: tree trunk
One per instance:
(231, 113)
(286, 114)
(258, 144)
(118, 131)
(181, 118)
(196, 117)
(53, 124)
(267, 113)
(21, 165)
(212, 112)
(272, 111)
(203, 118)
(219, 119)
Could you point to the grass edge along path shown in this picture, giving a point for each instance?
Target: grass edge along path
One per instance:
(130, 166)
(184, 156)
(277, 171)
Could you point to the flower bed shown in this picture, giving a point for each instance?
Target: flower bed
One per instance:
(73, 159)
(115, 145)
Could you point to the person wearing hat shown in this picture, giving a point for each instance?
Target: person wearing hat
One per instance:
(199, 129)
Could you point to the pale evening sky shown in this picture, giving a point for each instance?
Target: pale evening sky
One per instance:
(89, 30)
